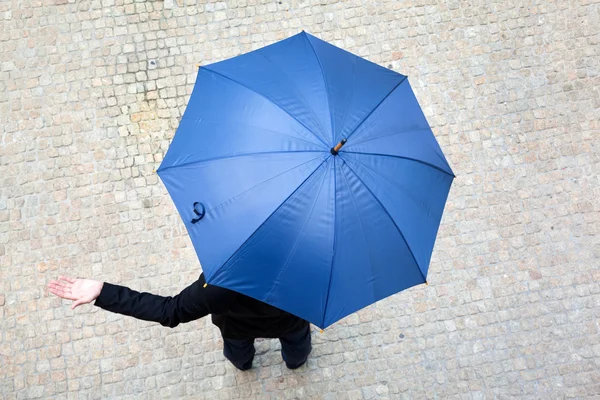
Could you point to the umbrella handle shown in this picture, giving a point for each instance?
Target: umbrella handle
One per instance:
(200, 213)
(336, 149)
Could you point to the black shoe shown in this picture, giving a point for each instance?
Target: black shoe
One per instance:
(244, 367)
(295, 366)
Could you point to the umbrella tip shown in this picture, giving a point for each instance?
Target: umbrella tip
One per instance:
(426, 283)
(321, 330)
(205, 285)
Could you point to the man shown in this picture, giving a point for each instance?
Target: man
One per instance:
(240, 318)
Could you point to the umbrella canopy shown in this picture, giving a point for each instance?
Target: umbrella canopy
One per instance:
(307, 178)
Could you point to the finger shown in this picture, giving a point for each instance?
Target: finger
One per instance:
(66, 278)
(65, 286)
(60, 286)
(61, 293)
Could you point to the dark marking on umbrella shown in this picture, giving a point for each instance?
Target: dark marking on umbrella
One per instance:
(199, 210)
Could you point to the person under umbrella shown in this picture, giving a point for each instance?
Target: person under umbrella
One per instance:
(240, 318)
(311, 185)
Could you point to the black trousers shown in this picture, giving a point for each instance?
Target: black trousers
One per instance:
(295, 348)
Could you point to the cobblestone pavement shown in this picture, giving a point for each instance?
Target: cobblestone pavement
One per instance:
(90, 96)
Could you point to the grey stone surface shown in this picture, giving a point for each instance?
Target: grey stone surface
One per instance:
(90, 96)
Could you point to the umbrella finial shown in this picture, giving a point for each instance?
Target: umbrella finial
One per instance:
(336, 149)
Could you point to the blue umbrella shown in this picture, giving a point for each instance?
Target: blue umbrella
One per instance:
(308, 178)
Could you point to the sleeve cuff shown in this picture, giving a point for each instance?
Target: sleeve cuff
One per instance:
(107, 295)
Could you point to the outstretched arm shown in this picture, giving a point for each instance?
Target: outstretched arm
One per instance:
(189, 305)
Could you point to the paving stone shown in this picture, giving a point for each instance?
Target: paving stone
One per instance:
(91, 94)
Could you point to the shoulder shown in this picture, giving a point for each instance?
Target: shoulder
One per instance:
(217, 299)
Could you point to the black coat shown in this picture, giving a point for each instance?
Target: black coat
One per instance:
(237, 316)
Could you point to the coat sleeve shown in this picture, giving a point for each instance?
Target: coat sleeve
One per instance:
(191, 304)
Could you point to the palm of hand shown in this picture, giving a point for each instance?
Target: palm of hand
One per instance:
(81, 291)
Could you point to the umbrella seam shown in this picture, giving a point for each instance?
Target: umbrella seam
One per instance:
(404, 158)
(334, 241)
(394, 184)
(391, 219)
(299, 92)
(362, 231)
(351, 97)
(270, 100)
(252, 126)
(391, 134)
(375, 108)
(260, 183)
(297, 239)
(266, 219)
(161, 170)
(331, 121)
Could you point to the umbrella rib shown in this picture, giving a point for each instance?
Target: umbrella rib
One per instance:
(236, 156)
(391, 219)
(375, 108)
(331, 122)
(362, 231)
(289, 257)
(271, 101)
(395, 184)
(237, 122)
(289, 81)
(334, 242)
(351, 97)
(269, 217)
(260, 183)
(390, 134)
(402, 157)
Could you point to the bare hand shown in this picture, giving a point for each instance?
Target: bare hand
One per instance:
(81, 291)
